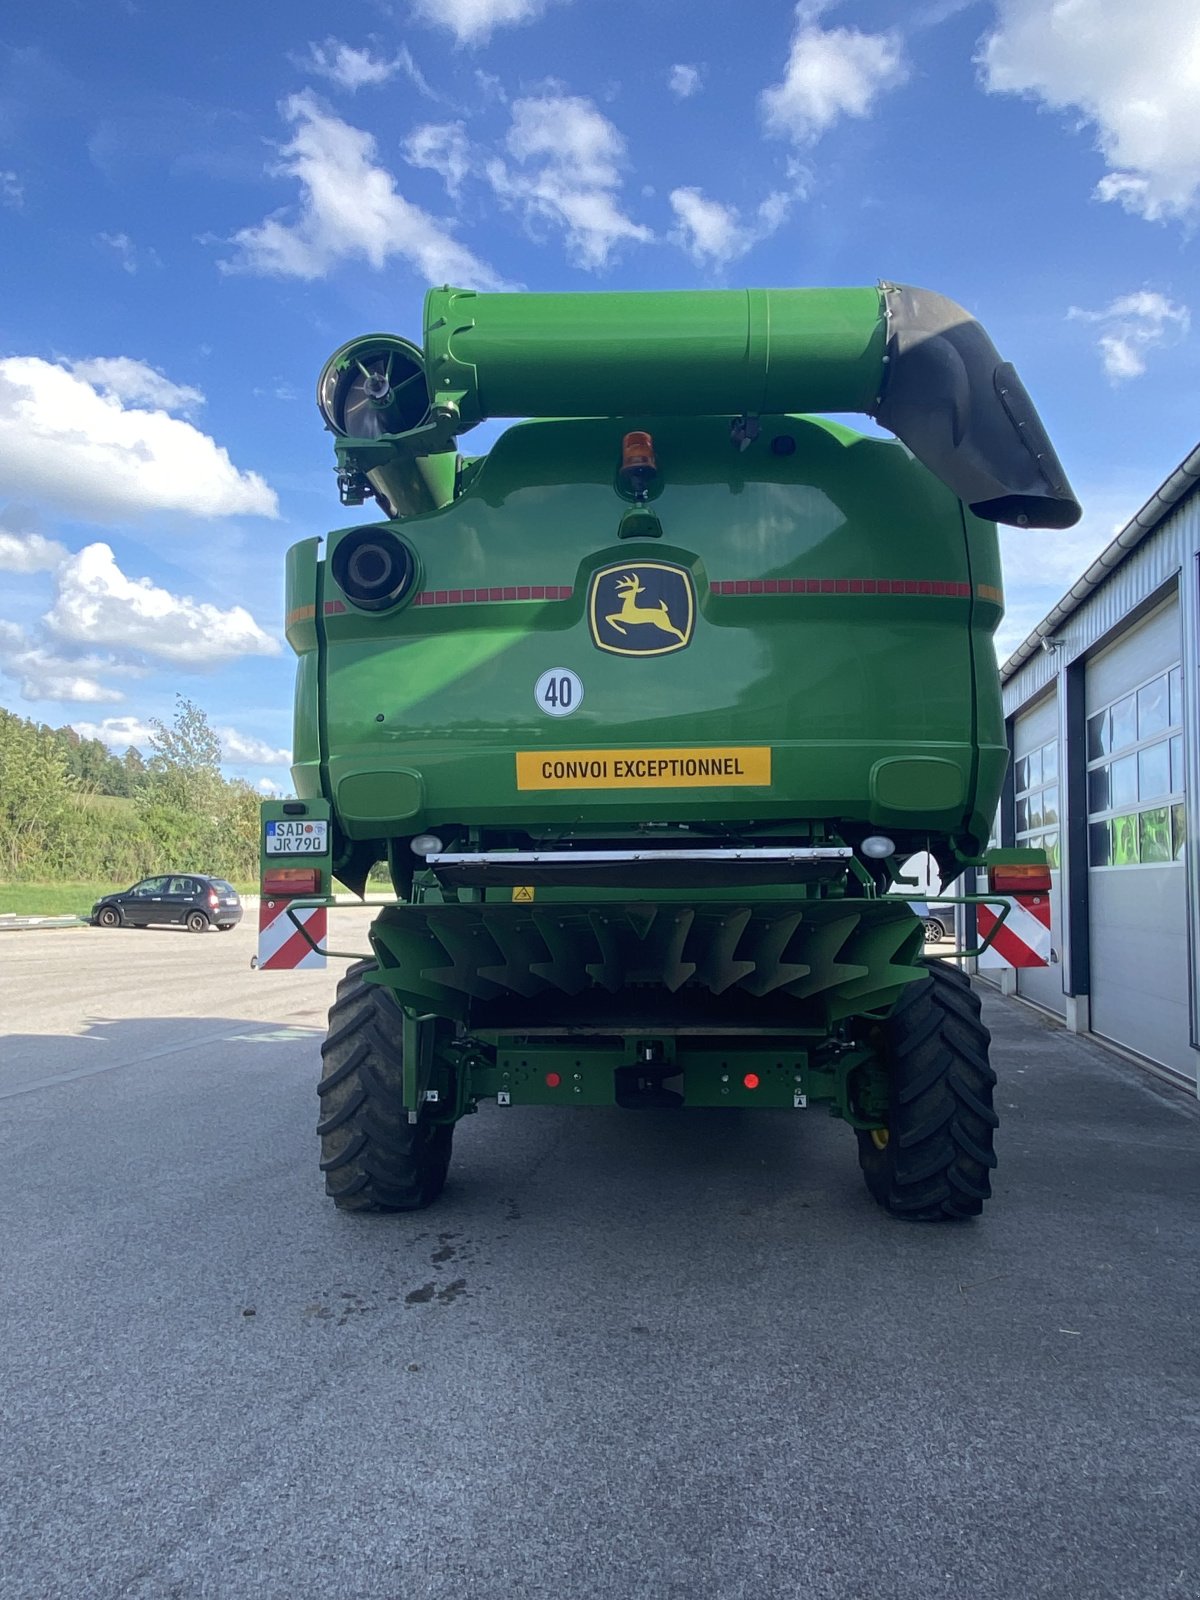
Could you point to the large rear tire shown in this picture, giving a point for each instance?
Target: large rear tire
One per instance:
(933, 1161)
(373, 1158)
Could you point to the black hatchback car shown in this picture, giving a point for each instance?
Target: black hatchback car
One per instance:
(195, 900)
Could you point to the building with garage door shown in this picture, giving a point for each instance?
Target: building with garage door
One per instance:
(1102, 703)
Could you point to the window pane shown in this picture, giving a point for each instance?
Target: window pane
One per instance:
(1021, 778)
(1098, 789)
(1152, 709)
(1177, 764)
(1123, 782)
(1178, 831)
(1124, 723)
(1099, 742)
(1050, 845)
(1049, 806)
(1035, 809)
(1022, 816)
(1034, 762)
(1154, 834)
(1154, 771)
(1099, 844)
(1049, 763)
(1176, 677)
(1124, 841)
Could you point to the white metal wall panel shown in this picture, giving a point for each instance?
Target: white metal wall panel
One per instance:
(1149, 647)
(1140, 966)
(1033, 730)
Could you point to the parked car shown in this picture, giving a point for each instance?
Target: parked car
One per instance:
(192, 898)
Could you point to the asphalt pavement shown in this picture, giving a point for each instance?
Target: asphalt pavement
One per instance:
(627, 1355)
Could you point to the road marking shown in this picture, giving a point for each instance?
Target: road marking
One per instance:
(279, 1036)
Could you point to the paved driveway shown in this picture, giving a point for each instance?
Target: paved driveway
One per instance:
(628, 1355)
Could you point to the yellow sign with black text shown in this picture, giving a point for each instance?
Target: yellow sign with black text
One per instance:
(704, 768)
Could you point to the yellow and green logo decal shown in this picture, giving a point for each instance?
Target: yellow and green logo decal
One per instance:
(642, 608)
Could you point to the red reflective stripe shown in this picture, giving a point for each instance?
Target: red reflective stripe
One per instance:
(1007, 944)
(922, 587)
(475, 597)
(291, 952)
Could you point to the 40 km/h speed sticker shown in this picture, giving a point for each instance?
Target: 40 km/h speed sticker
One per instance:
(558, 692)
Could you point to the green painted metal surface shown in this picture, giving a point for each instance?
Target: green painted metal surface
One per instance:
(670, 353)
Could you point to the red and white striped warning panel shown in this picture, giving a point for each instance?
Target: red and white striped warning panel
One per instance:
(281, 945)
(1024, 937)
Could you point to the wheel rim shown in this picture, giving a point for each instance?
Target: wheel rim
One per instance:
(879, 1138)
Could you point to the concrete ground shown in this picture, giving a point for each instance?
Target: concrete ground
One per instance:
(627, 1355)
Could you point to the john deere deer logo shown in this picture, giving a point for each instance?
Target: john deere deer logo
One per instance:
(644, 608)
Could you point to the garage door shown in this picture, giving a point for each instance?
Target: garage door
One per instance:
(1137, 887)
(1038, 809)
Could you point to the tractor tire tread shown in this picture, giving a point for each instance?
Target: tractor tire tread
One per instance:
(936, 1165)
(373, 1158)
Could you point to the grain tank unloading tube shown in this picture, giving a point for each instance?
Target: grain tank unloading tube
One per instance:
(644, 709)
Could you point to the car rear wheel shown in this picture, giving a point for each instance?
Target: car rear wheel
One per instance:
(197, 922)
(109, 917)
(934, 929)
(226, 927)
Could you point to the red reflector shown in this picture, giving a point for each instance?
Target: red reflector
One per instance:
(1033, 879)
(291, 880)
(751, 1080)
(553, 1079)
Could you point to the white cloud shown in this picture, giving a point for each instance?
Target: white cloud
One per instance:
(270, 788)
(1132, 326)
(713, 234)
(244, 750)
(129, 257)
(830, 73)
(442, 147)
(29, 552)
(569, 171)
(12, 191)
(355, 69)
(97, 604)
(122, 245)
(349, 210)
(118, 733)
(1134, 73)
(136, 384)
(683, 81)
(472, 21)
(45, 675)
(347, 67)
(65, 441)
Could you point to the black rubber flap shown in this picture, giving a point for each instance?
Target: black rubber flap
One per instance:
(965, 414)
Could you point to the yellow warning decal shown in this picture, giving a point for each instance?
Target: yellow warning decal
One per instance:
(644, 769)
(524, 891)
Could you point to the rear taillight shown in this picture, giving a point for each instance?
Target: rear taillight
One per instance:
(291, 880)
(213, 898)
(1019, 879)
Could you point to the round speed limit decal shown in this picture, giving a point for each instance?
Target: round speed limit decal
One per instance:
(558, 692)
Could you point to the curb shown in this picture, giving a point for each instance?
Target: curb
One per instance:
(10, 922)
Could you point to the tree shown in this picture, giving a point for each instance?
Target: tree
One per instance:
(36, 794)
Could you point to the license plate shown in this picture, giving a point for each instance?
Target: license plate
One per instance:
(296, 838)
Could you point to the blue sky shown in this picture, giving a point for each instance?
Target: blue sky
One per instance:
(199, 203)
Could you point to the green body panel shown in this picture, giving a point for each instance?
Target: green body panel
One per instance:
(868, 701)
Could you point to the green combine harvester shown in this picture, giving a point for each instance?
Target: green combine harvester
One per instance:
(643, 710)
